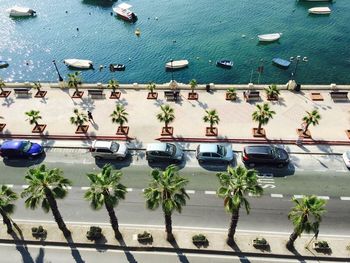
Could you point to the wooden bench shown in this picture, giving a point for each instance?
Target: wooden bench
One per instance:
(22, 92)
(172, 95)
(96, 93)
(251, 95)
(339, 95)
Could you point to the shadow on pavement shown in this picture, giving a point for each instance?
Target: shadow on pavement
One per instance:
(25, 162)
(128, 254)
(21, 246)
(74, 250)
(162, 165)
(182, 257)
(116, 164)
(242, 258)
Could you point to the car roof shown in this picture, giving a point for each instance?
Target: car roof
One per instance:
(258, 149)
(11, 145)
(161, 146)
(208, 147)
(101, 144)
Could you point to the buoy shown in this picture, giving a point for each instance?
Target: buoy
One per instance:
(111, 13)
(174, 41)
(77, 28)
(66, 12)
(129, 59)
(101, 67)
(243, 36)
(156, 17)
(209, 60)
(137, 32)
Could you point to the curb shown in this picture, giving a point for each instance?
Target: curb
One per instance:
(174, 250)
(64, 137)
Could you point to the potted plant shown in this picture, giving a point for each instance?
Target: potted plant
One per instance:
(3, 93)
(39, 232)
(262, 115)
(40, 93)
(311, 118)
(2, 125)
(200, 240)
(114, 84)
(260, 243)
(167, 116)
(119, 116)
(79, 119)
(74, 81)
(212, 118)
(321, 246)
(151, 94)
(231, 94)
(33, 117)
(193, 95)
(145, 237)
(94, 234)
(272, 92)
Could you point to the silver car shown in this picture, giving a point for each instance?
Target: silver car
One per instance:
(164, 152)
(212, 152)
(108, 150)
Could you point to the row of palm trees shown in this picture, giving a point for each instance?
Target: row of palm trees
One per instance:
(166, 189)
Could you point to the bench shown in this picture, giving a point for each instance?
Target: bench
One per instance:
(339, 95)
(96, 93)
(251, 95)
(171, 95)
(22, 92)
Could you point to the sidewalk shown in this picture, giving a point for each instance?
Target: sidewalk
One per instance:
(217, 242)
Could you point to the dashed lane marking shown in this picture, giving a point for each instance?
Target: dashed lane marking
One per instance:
(9, 185)
(345, 198)
(85, 188)
(298, 196)
(323, 197)
(277, 195)
(129, 189)
(25, 186)
(190, 192)
(210, 192)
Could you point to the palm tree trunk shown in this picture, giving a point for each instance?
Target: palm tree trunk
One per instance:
(306, 128)
(233, 226)
(169, 228)
(259, 127)
(56, 213)
(292, 238)
(6, 221)
(113, 220)
(166, 125)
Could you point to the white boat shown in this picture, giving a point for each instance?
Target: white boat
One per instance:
(18, 11)
(176, 64)
(78, 63)
(122, 11)
(320, 10)
(269, 37)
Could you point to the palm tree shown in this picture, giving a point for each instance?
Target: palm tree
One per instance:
(106, 189)
(235, 185)
(272, 91)
(37, 85)
(113, 84)
(231, 93)
(151, 87)
(119, 116)
(79, 119)
(33, 117)
(74, 80)
(262, 115)
(7, 197)
(212, 117)
(44, 187)
(193, 85)
(306, 216)
(311, 118)
(166, 189)
(167, 115)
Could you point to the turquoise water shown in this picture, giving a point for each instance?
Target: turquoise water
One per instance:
(201, 31)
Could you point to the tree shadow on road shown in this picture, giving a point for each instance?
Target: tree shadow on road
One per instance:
(297, 255)
(241, 256)
(182, 257)
(128, 254)
(21, 247)
(74, 250)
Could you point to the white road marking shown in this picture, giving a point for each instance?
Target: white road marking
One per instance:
(9, 185)
(129, 189)
(25, 186)
(277, 195)
(323, 197)
(298, 196)
(210, 192)
(345, 198)
(190, 192)
(68, 187)
(254, 195)
(85, 188)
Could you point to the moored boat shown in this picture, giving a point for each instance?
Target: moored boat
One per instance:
(122, 11)
(224, 63)
(18, 11)
(78, 63)
(176, 64)
(3, 64)
(269, 37)
(281, 62)
(320, 10)
(116, 67)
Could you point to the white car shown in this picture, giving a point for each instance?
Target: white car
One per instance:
(108, 150)
(346, 158)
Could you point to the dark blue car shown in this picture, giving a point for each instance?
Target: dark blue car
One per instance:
(20, 149)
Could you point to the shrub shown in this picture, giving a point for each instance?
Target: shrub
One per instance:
(95, 233)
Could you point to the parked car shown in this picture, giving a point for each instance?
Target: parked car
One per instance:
(20, 149)
(108, 150)
(264, 154)
(163, 152)
(212, 152)
(346, 158)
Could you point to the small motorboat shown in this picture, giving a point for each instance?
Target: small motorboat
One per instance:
(224, 63)
(78, 63)
(281, 62)
(116, 67)
(123, 11)
(3, 64)
(176, 64)
(18, 11)
(320, 10)
(269, 37)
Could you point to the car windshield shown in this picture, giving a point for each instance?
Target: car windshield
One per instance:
(26, 145)
(114, 147)
(348, 154)
(170, 148)
(222, 150)
(275, 152)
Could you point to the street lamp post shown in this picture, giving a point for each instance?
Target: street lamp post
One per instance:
(172, 74)
(297, 59)
(58, 73)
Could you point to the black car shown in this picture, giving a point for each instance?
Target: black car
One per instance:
(265, 155)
